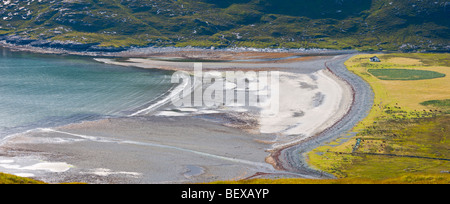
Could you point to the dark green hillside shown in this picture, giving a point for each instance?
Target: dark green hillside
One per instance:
(407, 25)
(318, 8)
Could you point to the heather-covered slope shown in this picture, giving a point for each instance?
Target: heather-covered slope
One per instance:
(407, 25)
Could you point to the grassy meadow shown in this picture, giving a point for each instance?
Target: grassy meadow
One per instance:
(406, 179)
(11, 179)
(407, 131)
(404, 74)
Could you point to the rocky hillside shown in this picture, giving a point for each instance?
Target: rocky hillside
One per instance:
(112, 25)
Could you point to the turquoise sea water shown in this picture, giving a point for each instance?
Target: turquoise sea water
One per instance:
(50, 90)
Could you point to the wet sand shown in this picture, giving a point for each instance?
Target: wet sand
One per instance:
(143, 150)
(267, 62)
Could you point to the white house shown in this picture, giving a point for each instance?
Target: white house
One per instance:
(375, 59)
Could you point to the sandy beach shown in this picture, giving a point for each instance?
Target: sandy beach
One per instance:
(167, 144)
(308, 105)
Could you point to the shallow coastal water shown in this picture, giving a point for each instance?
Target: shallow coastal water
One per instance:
(39, 91)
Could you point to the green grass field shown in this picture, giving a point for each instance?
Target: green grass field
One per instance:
(11, 179)
(407, 131)
(442, 105)
(404, 74)
(438, 103)
(406, 179)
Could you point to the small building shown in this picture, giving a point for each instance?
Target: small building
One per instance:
(375, 59)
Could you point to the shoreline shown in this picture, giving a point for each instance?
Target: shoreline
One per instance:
(273, 158)
(194, 52)
(267, 158)
(294, 158)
